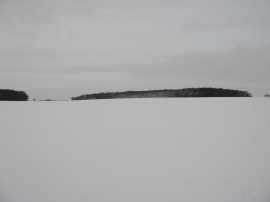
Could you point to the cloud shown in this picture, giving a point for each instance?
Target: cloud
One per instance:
(239, 64)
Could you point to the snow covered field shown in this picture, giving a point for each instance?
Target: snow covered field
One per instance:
(136, 150)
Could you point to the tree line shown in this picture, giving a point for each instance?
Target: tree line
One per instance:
(13, 95)
(186, 92)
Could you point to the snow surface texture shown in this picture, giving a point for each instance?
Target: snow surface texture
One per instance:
(136, 150)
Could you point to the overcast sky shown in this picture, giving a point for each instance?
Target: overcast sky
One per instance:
(64, 48)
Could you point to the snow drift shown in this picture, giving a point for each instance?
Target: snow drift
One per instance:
(147, 150)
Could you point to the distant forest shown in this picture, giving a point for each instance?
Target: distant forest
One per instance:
(186, 92)
(12, 95)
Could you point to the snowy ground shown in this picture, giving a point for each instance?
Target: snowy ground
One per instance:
(136, 150)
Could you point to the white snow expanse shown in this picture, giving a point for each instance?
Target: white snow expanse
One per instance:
(136, 150)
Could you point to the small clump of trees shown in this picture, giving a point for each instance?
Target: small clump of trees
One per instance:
(12, 95)
(186, 92)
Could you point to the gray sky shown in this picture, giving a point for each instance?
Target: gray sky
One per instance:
(64, 48)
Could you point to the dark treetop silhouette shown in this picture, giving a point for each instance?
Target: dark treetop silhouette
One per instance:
(12, 95)
(186, 92)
